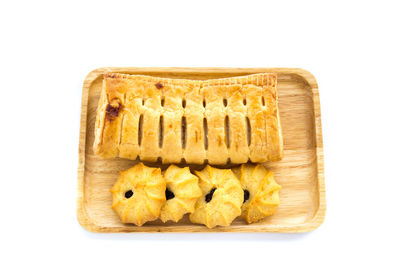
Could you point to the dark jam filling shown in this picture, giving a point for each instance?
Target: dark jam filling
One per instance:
(128, 194)
(210, 195)
(169, 194)
(246, 195)
(159, 85)
(112, 111)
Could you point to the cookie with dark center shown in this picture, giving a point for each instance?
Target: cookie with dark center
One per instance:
(182, 192)
(258, 182)
(223, 190)
(138, 194)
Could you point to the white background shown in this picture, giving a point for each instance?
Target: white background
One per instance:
(47, 48)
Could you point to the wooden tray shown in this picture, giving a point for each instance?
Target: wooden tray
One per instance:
(300, 173)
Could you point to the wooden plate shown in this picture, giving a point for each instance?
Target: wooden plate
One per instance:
(300, 173)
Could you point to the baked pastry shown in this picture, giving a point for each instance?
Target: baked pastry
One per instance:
(231, 119)
(222, 197)
(138, 194)
(181, 193)
(261, 192)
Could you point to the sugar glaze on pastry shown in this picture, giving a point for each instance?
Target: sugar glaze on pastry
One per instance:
(219, 120)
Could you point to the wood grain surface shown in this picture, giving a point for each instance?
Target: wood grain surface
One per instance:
(300, 173)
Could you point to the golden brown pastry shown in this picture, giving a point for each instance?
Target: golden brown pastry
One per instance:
(181, 193)
(218, 120)
(222, 197)
(261, 192)
(139, 194)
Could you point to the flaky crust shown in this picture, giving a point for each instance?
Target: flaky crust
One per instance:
(220, 120)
